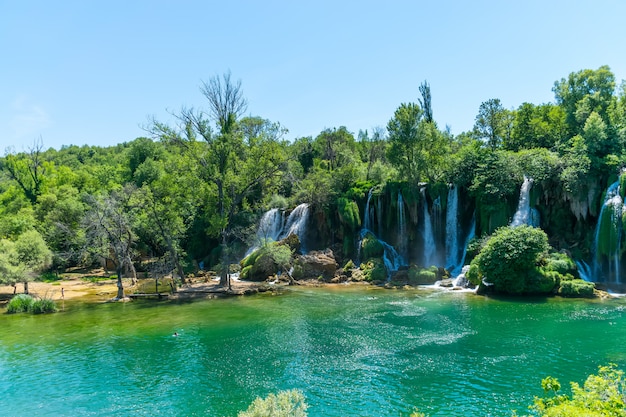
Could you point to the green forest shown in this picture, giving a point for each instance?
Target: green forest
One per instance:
(191, 192)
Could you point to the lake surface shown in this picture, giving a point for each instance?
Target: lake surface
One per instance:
(352, 351)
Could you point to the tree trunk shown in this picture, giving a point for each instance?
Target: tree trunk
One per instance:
(120, 286)
(25, 287)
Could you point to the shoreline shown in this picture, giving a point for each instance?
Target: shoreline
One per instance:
(77, 288)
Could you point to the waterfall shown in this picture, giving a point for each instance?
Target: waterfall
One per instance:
(429, 238)
(274, 227)
(452, 230)
(402, 236)
(391, 258)
(296, 224)
(609, 235)
(270, 226)
(524, 215)
(584, 270)
(366, 215)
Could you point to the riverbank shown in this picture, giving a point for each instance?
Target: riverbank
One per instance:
(95, 286)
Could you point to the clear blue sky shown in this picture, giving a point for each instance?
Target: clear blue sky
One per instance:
(93, 72)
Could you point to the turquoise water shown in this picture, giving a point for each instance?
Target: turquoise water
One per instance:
(353, 352)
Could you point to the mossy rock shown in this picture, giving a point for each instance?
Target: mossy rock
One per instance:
(374, 270)
(348, 211)
(293, 241)
(576, 288)
(422, 276)
(371, 247)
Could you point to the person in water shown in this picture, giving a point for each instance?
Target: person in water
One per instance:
(175, 334)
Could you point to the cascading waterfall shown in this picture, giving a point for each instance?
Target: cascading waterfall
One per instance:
(452, 230)
(274, 227)
(270, 227)
(607, 245)
(391, 258)
(524, 214)
(296, 224)
(402, 235)
(429, 238)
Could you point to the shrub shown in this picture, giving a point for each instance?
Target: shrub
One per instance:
(601, 395)
(43, 305)
(510, 258)
(284, 404)
(576, 288)
(560, 263)
(24, 303)
(20, 304)
(371, 247)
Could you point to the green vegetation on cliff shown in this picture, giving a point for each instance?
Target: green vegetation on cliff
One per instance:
(193, 192)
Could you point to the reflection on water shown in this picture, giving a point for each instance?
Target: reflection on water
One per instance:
(353, 352)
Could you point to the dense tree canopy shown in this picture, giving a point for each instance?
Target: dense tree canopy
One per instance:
(200, 184)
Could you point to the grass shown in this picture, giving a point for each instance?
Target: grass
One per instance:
(24, 303)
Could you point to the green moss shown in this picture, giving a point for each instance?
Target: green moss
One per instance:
(348, 212)
(608, 233)
(422, 276)
(374, 270)
(576, 288)
(371, 247)
(245, 272)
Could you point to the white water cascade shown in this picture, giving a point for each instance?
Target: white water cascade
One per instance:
(609, 235)
(296, 224)
(392, 259)
(273, 226)
(452, 230)
(525, 214)
(402, 235)
(270, 227)
(429, 238)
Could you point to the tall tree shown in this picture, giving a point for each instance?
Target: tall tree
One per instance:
(27, 169)
(231, 162)
(21, 260)
(491, 122)
(426, 101)
(110, 234)
(584, 92)
(403, 150)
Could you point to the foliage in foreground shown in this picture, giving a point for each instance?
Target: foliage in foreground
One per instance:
(284, 404)
(24, 303)
(603, 394)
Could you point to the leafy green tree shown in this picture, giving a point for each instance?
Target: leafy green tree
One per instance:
(492, 123)
(583, 93)
(541, 126)
(510, 259)
(336, 147)
(60, 215)
(236, 165)
(373, 149)
(416, 146)
(284, 404)
(21, 260)
(165, 206)
(404, 150)
(496, 180)
(28, 170)
(601, 395)
(109, 232)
